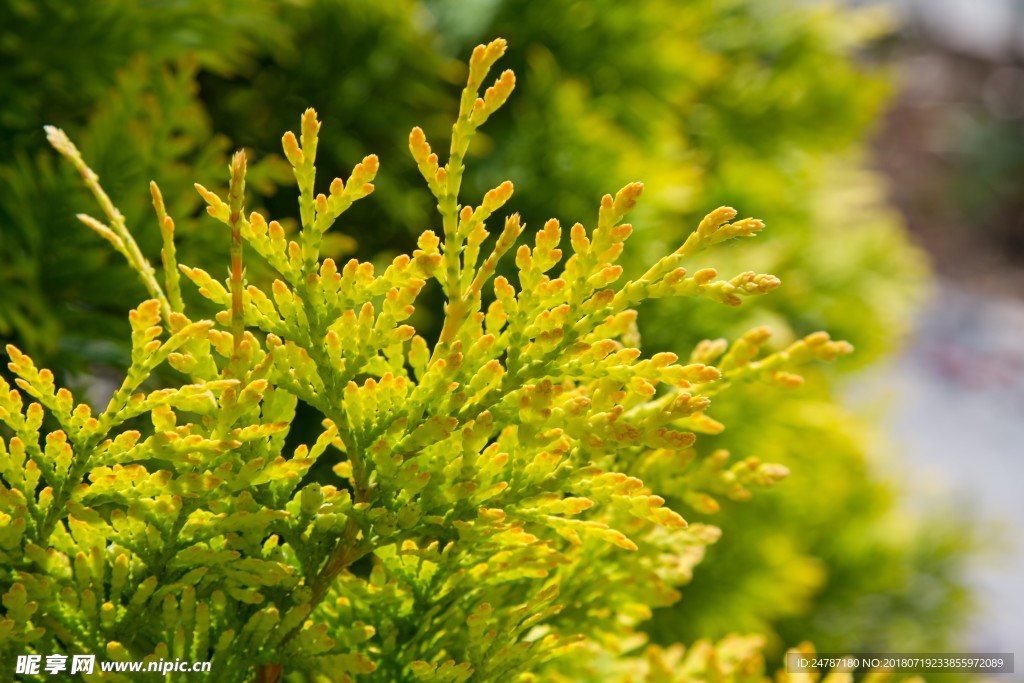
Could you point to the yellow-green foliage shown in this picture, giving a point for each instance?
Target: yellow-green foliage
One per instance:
(766, 103)
(759, 102)
(497, 509)
(763, 103)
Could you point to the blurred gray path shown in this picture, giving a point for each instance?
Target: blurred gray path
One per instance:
(955, 411)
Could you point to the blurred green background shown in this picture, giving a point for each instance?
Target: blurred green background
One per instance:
(760, 104)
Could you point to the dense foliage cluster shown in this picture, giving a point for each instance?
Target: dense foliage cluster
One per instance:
(756, 102)
(496, 508)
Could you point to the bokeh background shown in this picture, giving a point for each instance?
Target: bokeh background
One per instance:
(881, 141)
(951, 145)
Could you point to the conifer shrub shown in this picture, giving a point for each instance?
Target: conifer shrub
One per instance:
(495, 508)
(757, 102)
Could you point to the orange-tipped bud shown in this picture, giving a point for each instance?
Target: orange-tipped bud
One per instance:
(494, 199)
(291, 149)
